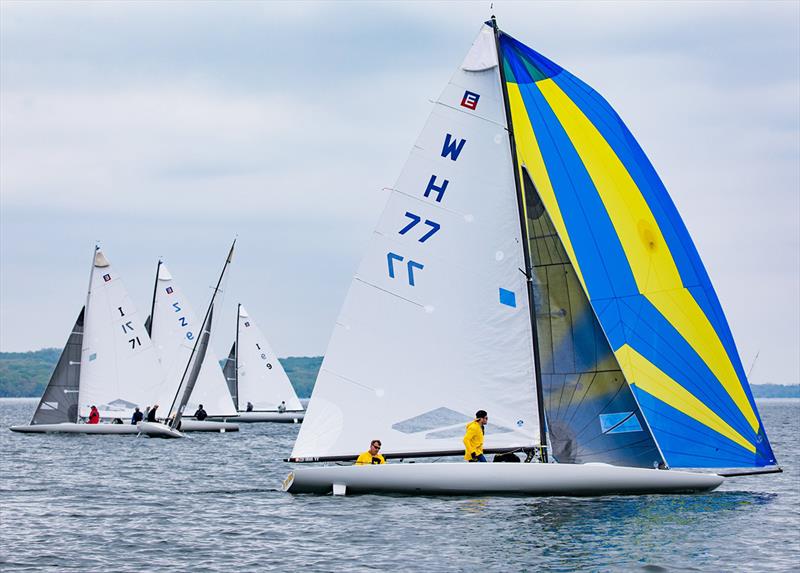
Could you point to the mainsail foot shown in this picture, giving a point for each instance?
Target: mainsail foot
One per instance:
(592, 479)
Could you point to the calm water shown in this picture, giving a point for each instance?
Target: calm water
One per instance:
(212, 502)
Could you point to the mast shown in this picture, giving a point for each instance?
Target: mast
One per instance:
(525, 246)
(236, 355)
(204, 335)
(85, 322)
(153, 304)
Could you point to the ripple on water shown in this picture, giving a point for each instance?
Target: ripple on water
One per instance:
(213, 502)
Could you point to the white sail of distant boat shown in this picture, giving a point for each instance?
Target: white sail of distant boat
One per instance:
(256, 379)
(495, 281)
(171, 428)
(174, 327)
(108, 362)
(119, 366)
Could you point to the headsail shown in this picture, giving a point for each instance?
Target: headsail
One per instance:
(436, 324)
(174, 329)
(59, 402)
(260, 378)
(636, 263)
(119, 366)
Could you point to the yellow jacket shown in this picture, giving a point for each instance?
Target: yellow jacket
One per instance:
(367, 459)
(473, 440)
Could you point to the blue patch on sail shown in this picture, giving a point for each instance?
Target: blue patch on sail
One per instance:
(92, 356)
(508, 298)
(619, 423)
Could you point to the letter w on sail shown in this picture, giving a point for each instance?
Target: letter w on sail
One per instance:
(452, 148)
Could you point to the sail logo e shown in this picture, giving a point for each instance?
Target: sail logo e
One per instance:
(470, 100)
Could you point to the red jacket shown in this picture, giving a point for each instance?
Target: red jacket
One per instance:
(94, 416)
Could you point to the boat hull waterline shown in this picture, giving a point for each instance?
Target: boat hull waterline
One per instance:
(150, 429)
(498, 478)
(207, 426)
(281, 417)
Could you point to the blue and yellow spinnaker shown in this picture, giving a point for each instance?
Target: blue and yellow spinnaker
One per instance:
(636, 263)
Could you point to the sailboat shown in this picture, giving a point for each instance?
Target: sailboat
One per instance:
(256, 380)
(108, 362)
(173, 328)
(171, 427)
(529, 262)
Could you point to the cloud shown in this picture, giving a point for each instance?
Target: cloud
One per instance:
(166, 128)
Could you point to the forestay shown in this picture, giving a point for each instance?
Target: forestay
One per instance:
(174, 330)
(261, 380)
(119, 366)
(436, 324)
(59, 402)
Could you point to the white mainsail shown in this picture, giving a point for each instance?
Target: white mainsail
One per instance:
(174, 330)
(436, 324)
(119, 366)
(262, 380)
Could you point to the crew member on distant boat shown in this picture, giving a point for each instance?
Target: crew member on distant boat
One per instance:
(137, 417)
(249, 406)
(371, 456)
(201, 414)
(94, 416)
(282, 407)
(473, 439)
(151, 415)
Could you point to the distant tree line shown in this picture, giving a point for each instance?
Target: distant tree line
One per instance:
(27, 373)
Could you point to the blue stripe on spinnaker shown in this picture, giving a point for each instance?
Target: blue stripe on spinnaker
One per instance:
(687, 443)
(583, 211)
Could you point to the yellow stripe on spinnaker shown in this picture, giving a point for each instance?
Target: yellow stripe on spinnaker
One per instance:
(530, 156)
(647, 377)
(648, 254)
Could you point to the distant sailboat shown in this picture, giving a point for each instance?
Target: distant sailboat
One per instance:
(530, 263)
(171, 428)
(256, 380)
(108, 362)
(173, 327)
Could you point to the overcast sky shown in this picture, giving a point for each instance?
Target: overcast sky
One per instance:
(166, 128)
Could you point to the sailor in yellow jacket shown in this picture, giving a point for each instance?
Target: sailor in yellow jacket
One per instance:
(473, 439)
(371, 456)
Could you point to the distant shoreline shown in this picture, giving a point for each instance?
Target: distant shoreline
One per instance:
(25, 375)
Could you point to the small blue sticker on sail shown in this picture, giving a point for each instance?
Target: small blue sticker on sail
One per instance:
(92, 356)
(619, 423)
(508, 298)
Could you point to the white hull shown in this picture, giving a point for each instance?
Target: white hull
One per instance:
(497, 478)
(158, 430)
(207, 426)
(294, 417)
(73, 428)
(145, 428)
